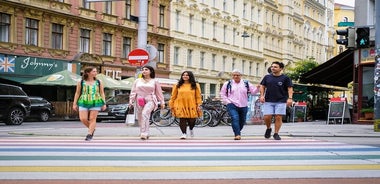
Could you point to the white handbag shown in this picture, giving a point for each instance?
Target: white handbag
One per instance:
(130, 119)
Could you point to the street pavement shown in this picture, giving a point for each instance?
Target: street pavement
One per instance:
(56, 152)
(112, 129)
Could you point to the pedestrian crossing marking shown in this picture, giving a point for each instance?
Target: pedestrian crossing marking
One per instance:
(189, 168)
(32, 157)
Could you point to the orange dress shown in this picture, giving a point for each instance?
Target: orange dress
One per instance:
(185, 101)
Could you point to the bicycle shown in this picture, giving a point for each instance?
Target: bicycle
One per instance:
(218, 113)
(163, 117)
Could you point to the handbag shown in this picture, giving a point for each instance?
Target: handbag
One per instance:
(141, 101)
(130, 118)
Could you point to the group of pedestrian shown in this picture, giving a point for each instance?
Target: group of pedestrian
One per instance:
(276, 93)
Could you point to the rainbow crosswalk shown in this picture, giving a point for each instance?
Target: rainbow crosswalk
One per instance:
(113, 158)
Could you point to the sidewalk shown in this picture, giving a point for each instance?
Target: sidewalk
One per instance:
(299, 129)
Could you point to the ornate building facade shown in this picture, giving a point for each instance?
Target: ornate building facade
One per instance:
(208, 37)
(211, 38)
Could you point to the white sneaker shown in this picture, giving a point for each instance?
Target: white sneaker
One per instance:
(191, 133)
(183, 136)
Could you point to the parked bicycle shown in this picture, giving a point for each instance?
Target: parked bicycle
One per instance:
(218, 112)
(163, 117)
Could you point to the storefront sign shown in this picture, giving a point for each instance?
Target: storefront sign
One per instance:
(22, 65)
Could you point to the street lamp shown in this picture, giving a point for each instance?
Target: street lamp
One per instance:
(245, 35)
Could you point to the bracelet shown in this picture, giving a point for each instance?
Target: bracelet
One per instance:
(290, 98)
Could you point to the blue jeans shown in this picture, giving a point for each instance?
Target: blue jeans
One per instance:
(238, 116)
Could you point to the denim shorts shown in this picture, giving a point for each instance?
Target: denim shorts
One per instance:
(89, 109)
(278, 108)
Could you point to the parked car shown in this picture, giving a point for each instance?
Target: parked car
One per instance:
(117, 107)
(41, 108)
(14, 104)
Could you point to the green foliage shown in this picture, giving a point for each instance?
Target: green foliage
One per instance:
(300, 114)
(300, 68)
(367, 110)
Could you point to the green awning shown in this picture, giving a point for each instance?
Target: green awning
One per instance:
(15, 79)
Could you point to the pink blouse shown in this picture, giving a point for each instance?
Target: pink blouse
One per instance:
(148, 90)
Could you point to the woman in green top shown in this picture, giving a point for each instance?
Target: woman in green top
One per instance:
(89, 99)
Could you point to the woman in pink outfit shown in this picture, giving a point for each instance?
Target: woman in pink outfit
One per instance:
(145, 95)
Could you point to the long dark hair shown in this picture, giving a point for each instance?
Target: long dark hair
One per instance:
(86, 71)
(191, 80)
(152, 73)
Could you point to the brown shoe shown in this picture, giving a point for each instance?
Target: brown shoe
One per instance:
(238, 137)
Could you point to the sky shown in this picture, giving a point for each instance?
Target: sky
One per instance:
(346, 2)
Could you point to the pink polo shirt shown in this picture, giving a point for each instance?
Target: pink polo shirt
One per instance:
(238, 94)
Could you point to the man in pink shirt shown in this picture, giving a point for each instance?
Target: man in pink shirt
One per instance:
(234, 94)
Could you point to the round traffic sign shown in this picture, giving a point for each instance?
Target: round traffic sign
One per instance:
(138, 57)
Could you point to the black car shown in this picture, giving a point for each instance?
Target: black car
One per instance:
(117, 107)
(41, 108)
(14, 104)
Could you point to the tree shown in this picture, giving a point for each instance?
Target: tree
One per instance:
(300, 68)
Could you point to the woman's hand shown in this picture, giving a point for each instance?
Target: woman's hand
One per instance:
(104, 107)
(75, 107)
(162, 105)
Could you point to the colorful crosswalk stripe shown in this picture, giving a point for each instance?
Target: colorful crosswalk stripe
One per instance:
(62, 158)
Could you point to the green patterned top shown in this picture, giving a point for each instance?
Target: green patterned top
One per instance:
(90, 96)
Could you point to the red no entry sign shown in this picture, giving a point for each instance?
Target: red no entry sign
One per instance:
(138, 57)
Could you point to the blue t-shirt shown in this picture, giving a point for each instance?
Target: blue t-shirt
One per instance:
(276, 87)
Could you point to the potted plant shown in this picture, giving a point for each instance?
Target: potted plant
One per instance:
(300, 116)
(368, 113)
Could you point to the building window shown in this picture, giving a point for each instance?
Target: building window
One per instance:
(5, 26)
(203, 27)
(191, 17)
(202, 60)
(177, 19)
(224, 63)
(234, 32)
(176, 55)
(31, 32)
(128, 8)
(243, 66)
(233, 63)
(57, 36)
(126, 46)
(202, 85)
(86, 4)
(108, 7)
(162, 16)
(245, 10)
(213, 61)
(214, 30)
(212, 90)
(250, 68)
(224, 34)
(189, 57)
(107, 44)
(161, 53)
(85, 41)
(257, 69)
(234, 8)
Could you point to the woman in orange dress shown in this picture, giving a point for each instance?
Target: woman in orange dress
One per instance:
(185, 102)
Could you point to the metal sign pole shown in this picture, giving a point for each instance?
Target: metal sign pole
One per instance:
(376, 86)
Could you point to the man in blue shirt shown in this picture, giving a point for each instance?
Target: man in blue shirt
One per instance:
(276, 92)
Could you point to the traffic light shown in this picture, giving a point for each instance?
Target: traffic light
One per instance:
(342, 32)
(362, 37)
(349, 37)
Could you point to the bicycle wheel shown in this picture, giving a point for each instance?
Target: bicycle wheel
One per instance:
(162, 117)
(214, 118)
(226, 118)
(203, 120)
